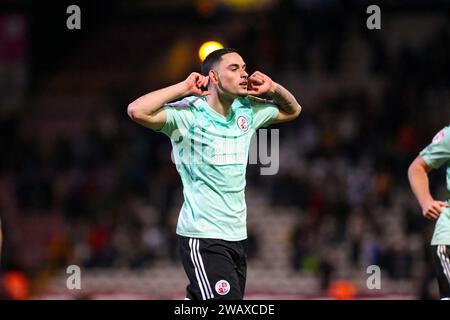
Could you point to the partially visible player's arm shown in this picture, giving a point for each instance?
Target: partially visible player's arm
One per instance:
(418, 179)
(1, 242)
(147, 110)
(259, 83)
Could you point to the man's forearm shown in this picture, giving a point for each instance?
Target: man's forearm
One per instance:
(153, 101)
(284, 99)
(418, 179)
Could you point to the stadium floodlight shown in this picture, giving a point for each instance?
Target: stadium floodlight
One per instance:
(208, 47)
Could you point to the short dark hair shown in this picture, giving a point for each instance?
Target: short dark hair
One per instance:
(213, 58)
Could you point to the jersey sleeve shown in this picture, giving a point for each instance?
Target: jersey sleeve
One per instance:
(437, 152)
(264, 114)
(179, 117)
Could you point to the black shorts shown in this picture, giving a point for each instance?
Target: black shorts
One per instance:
(216, 268)
(441, 263)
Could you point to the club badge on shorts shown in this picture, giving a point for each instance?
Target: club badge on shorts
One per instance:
(242, 123)
(222, 287)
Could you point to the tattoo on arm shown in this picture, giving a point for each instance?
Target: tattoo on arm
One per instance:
(285, 100)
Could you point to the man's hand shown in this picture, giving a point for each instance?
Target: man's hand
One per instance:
(259, 83)
(432, 209)
(289, 108)
(196, 85)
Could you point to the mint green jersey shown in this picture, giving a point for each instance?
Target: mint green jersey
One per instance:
(436, 155)
(210, 153)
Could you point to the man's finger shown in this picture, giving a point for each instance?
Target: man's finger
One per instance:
(252, 79)
(433, 210)
(256, 82)
(253, 91)
(443, 204)
(427, 215)
(258, 79)
(258, 73)
(437, 208)
(263, 76)
(437, 205)
(431, 215)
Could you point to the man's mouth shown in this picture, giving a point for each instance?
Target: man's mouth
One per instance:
(243, 84)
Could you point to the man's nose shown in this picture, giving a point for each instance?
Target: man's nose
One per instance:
(244, 74)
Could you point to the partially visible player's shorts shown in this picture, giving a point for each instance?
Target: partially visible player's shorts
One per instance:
(216, 268)
(441, 263)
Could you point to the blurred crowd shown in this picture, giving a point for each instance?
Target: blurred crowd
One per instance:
(371, 101)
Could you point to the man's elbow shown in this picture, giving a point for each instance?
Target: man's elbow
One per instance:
(297, 112)
(133, 111)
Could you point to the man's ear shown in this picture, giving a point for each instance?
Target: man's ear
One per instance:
(213, 76)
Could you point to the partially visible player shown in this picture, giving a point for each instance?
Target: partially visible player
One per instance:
(434, 156)
(1, 241)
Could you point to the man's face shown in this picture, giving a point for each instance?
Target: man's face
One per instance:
(232, 75)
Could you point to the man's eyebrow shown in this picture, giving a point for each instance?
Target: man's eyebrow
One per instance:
(236, 65)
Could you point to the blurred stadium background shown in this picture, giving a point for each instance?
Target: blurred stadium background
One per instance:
(80, 183)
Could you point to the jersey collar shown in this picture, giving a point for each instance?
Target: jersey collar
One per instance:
(217, 116)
